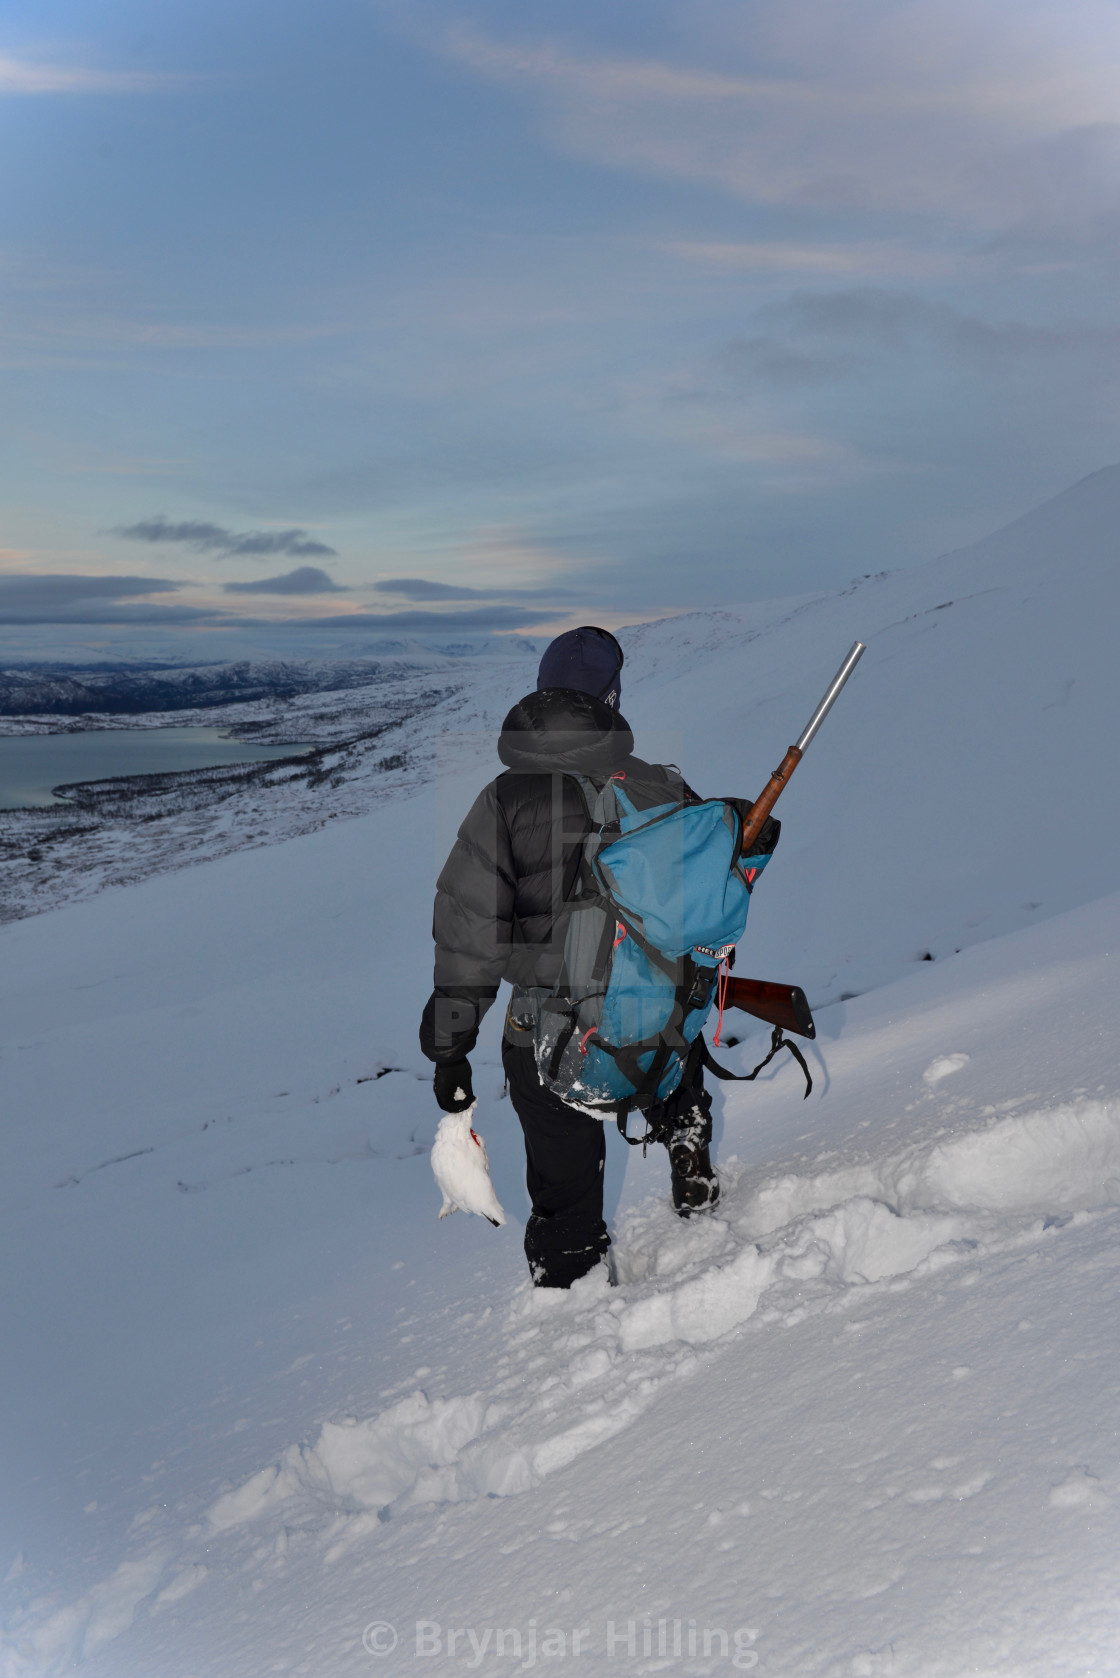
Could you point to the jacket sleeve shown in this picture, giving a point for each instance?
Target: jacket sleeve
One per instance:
(473, 927)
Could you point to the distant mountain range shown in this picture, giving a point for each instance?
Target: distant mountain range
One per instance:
(126, 689)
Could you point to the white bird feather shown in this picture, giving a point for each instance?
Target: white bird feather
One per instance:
(462, 1169)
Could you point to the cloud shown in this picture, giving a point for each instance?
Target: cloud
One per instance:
(480, 621)
(18, 75)
(933, 106)
(419, 588)
(29, 597)
(184, 616)
(32, 589)
(306, 579)
(230, 544)
(871, 259)
(814, 338)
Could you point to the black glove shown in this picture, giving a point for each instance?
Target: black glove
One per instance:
(452, 1085)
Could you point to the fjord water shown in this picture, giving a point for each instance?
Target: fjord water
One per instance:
(32, 765)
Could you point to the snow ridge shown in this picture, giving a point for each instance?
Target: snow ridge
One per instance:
(572, 1370)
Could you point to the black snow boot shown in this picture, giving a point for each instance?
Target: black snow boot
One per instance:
(694, 1181)
(684, 1124)
(562, 1248)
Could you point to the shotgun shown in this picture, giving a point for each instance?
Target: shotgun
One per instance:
(771, 792)
(781, 1005)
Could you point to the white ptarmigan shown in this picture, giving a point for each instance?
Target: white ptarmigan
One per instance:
(462, 1169)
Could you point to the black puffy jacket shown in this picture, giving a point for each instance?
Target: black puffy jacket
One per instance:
(517, 855)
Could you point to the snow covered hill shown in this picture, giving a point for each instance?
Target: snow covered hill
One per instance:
(34, 698)
(967, 781)
(90, 693)
(265, 1415)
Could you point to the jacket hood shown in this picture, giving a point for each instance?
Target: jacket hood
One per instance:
(559, 728)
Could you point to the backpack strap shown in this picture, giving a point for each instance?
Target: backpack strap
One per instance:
(641, 1142)
(700, 1056)
(777, 1041)
(600, 809)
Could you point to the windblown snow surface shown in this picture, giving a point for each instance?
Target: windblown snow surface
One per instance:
(263, 1414)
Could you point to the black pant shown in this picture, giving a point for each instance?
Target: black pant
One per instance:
(565, 1152)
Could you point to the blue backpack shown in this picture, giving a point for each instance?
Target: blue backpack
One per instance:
(659, 904)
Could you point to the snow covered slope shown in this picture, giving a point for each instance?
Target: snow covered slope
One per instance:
(259, 1404)
(966, 783)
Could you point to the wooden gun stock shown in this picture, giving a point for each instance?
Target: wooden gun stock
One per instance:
(767, 798)
(784, 1005)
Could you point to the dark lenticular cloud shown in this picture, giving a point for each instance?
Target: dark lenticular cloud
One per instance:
(230, 544)
(294, 543)
(306, 579)
(480, 621)
(91, 612)
(419, 588)
(65, 597)
(58, 588)
(62, 597)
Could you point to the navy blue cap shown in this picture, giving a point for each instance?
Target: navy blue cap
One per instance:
(588, 660)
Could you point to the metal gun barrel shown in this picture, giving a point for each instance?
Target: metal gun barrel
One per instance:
(832, 693)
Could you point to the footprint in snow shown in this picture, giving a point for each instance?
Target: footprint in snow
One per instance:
(1079, 1490)
(943, 1067)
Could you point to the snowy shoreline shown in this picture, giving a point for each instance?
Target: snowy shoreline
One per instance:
(367, 743)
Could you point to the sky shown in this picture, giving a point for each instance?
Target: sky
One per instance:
(328, 323)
